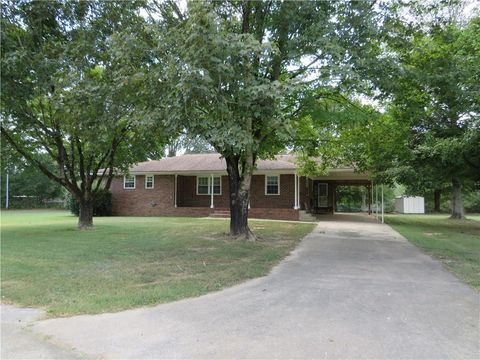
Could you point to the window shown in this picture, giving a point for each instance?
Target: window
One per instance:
(217, 186)
(272, 185)
(149, 181)
(129, 182)
(204, 185)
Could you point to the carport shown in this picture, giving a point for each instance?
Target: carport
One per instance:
(321, 191)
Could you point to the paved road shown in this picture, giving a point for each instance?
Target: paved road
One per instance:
(352, 289)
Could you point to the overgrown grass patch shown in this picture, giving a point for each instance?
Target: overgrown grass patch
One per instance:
(127, 262)
(455, 242)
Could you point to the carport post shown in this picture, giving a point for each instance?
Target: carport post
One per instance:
(383, 220)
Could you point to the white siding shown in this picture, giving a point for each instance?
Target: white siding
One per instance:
(410, 205)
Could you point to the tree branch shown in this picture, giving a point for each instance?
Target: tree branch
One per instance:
(83, 176)
(26, 154)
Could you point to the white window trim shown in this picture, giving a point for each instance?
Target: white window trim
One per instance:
(209, 185)
(153, 182)
(208, 182)
(134, 182)
(271, 175)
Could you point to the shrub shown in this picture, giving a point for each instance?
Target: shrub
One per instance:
(102, 204)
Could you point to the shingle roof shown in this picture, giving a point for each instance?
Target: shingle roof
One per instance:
(207, 162)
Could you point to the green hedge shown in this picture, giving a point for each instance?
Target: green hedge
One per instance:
(102, 204)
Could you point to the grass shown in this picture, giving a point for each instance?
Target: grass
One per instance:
(475, 217)
(455, 242)
(127, 262)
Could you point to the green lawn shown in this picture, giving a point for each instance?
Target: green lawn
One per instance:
(475, 217)
(127, 262)
(456, 243)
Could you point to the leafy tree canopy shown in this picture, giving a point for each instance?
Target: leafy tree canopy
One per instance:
(239, 69)
(70, 90)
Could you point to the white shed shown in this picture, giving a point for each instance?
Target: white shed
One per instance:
(410, 205)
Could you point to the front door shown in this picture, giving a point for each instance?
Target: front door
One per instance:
(322, 195)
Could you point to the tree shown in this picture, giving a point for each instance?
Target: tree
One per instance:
(238, 68)
(437, 93)
(69, 90)
(188, 144)
(427, 76)
(334, 130)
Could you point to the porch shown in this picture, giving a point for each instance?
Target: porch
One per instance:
(273, 195)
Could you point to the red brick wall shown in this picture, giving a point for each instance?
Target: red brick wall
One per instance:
(277, 214)
(141, 201)
(285, 200)
(187, 193)
(160, 200)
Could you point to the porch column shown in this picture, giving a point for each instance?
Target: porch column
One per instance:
(383, 219)
(299, 205)
(175, 194)
(211, 191)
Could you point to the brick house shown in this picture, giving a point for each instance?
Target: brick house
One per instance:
(197, 185)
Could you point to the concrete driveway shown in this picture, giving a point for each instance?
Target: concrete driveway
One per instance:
(19, 342)
(354, 288)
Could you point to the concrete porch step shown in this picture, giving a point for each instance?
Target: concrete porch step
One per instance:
(220, 214)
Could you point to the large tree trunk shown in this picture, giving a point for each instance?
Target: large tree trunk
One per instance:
(457, 206)
(436, 200)
(85, 218)
(239, 186)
